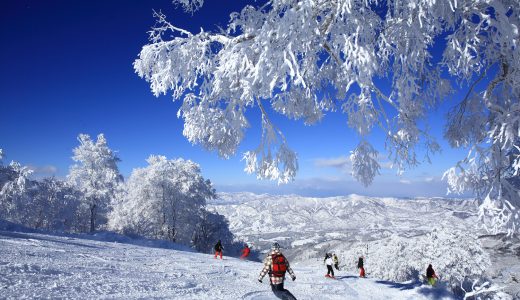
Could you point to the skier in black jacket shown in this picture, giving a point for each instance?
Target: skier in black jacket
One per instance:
(430, 275)
(360, 267)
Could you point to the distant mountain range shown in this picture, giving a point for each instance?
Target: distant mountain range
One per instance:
(298, 222)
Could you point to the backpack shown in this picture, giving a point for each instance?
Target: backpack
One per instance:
(279, 266)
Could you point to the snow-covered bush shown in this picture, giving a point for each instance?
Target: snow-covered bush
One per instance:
(48, 204)
(164, 200)
(97, 177)
(456, 257)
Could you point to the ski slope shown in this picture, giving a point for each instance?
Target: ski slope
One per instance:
(108, 266)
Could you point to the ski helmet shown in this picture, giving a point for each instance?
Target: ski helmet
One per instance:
(275, 246)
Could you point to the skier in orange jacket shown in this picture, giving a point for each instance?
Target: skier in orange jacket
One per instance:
(218, 249)
(245, 252)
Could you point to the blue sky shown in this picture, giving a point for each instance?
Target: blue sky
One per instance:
(67, 69)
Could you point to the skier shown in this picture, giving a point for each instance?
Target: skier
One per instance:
(360, 266)
(329, 263)
(336, 261)
(218, 249)
(245, 252)
(276, 265)
(430, 275)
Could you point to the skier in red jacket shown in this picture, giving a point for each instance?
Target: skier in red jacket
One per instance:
(245, 252)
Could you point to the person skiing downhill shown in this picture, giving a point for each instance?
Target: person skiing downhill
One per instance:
(361, 267)
(329, 263)
(430, 275)
(218, 249)
(276, 265)
(336, 261)
(245, 252)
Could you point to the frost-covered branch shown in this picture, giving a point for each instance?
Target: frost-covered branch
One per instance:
(308, 57)
(189, 5)
(477, 288)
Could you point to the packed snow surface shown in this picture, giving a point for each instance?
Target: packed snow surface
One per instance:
(36, 265)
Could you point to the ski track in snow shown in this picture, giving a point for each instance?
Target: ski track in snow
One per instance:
(35, 265)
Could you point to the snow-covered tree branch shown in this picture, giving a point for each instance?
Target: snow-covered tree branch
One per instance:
(305, 58)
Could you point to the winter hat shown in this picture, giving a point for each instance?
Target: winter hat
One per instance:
(275, 246)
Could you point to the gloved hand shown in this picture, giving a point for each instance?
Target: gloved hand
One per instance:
(259, 280)
(293, 278)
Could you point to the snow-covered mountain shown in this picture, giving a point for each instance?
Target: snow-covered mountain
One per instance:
(299, 223)
(107, 266)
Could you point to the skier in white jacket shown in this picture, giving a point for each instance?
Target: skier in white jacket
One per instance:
(329, 262)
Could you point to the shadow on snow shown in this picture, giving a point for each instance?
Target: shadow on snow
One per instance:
(400, 286)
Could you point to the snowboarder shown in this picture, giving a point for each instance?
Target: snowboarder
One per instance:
(218, 249)
(336, 261)
(276, 265)
(360, 267)
(430, 275)
(329, 263)
(245, 252)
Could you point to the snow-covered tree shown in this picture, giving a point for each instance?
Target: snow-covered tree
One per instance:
(55, 205)
(373, 60)
(163, 200)
(14, 191)
(211, 228)
(96, 175)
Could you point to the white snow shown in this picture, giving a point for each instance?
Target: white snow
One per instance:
(347, 225)
(35, 265)
(106, 265)
(335, 220)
